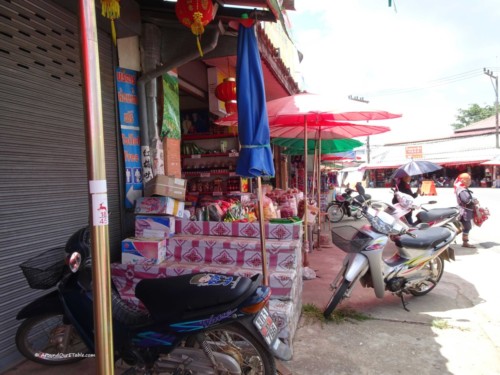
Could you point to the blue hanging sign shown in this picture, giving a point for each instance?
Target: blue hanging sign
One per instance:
(126, 85)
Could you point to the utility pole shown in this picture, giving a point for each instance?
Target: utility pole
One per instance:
(494, 81)
(362, 100)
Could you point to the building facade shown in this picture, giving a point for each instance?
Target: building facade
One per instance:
(44, 194)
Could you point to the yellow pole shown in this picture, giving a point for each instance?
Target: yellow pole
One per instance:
(98, 197)
(305, 261)
(319, 186)
(262, 232)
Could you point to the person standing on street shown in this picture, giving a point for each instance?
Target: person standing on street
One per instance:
(404, 187)
(466, 204)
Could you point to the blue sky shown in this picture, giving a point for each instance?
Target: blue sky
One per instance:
(424, 60)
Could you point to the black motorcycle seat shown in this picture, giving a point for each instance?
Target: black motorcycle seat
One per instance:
(436, 213)
(424, 239)
(363, 198)
(175, 298)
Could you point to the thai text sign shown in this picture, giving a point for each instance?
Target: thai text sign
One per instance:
(413, 152)
(128, 109)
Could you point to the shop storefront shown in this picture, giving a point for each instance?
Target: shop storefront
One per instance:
(45, 194)
(466, 151)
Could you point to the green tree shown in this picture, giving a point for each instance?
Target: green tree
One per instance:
(473, 114)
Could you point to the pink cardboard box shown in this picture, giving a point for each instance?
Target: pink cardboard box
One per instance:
(252, 230)
(125, 277)
(235, 252)
(143, 250)
(154, 226)
(159, 206)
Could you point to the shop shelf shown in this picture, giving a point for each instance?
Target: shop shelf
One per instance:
(215, 154)
(192, 137)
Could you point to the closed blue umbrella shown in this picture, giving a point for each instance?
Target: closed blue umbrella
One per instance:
(256, 159)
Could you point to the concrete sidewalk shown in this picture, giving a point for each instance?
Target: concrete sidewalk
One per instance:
(455, 329)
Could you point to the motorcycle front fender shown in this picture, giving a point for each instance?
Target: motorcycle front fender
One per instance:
(49, 303)
(357, 265)
(376, 271)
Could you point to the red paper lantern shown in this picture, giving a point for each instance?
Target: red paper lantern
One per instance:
(195, 14)
(231, 106)
(226, 90)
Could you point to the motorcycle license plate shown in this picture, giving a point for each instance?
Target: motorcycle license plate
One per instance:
(266, 326)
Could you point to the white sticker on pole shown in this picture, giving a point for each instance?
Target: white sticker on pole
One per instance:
(100, 209)
(99, 192)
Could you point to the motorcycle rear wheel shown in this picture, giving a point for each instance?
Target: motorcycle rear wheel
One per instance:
(339, 292)
(335, 213)
(236, 341)
(436, 270)
(41, 339)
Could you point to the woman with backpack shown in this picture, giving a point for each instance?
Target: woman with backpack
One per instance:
(466, 204)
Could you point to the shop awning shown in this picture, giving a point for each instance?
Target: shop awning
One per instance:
(451, 163)
(385, 165)
(466, 157)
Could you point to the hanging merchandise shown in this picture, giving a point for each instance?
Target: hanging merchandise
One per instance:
(111, 10)
(195, 14)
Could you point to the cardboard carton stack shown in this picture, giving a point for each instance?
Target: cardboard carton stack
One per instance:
(155, 221)
(219, 247)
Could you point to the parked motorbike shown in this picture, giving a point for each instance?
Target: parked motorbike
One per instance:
(434, 217)
(415, 268)
(202, 323)
(345, 204)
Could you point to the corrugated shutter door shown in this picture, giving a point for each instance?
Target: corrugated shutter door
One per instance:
(43, 190)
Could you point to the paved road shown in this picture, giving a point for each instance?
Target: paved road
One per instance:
(455, 329)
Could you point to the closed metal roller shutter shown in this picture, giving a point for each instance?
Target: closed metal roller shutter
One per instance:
(43, 190)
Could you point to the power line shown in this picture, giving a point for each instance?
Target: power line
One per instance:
(430, 84)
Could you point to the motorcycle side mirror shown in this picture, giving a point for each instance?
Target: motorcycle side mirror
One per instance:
(75, 260)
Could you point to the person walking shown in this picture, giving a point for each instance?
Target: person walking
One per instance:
(466, 205)
(404, 186)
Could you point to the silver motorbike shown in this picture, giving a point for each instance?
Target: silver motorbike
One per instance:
(434, 217)
(415, 267)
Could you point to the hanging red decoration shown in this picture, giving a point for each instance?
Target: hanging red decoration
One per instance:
(226, 92)
(195, 14)
(231, 106)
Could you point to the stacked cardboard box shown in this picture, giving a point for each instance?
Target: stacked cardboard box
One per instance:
(203, 247)
(155, 221)
(147, 251)
(157, 226)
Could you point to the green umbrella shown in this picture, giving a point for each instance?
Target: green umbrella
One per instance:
(295, 146)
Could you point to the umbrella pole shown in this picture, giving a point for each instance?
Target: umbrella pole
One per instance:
(262, 232)
(319, 187)
(306, 228)
(96, 172)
